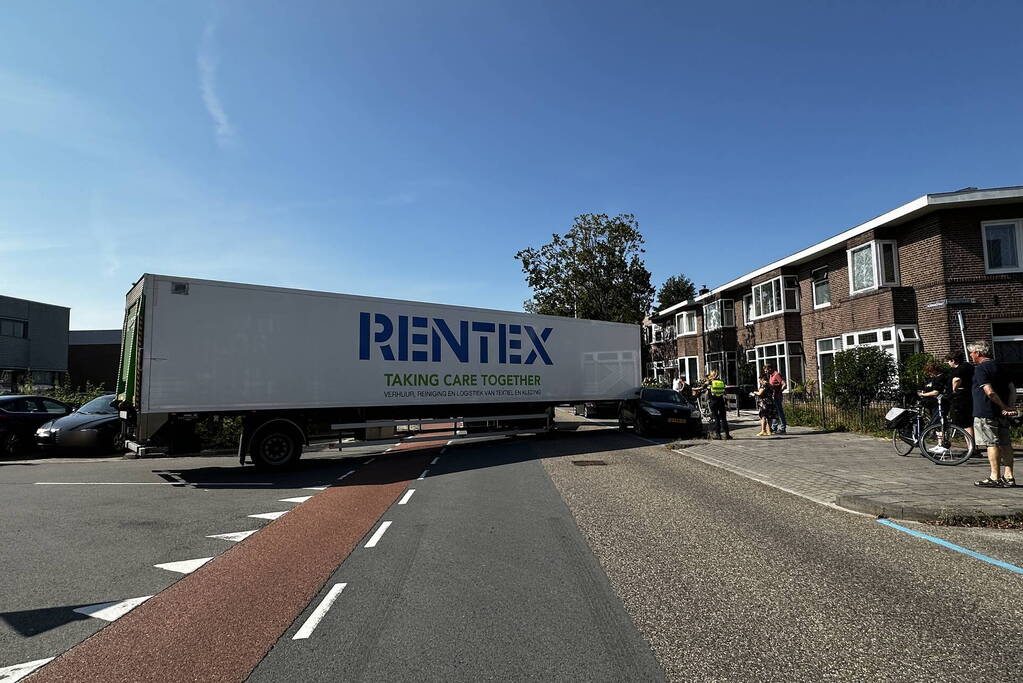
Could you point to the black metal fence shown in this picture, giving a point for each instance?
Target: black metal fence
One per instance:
(811, 410)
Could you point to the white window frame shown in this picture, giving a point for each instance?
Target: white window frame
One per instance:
(726, 314)
(728, 360)
(813, 289)
(747, 309)
(682, 363)
(782, 359)
(657, 334)
(778, 289)
(1018, 223)
(837, 345)
(876, 255)
(680, 324)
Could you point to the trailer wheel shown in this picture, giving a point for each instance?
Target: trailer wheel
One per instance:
(275, 448)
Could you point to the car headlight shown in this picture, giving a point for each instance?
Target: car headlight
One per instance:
(42, 431)
(652, 411)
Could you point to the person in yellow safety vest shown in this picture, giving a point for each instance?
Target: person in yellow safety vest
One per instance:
(718, 411)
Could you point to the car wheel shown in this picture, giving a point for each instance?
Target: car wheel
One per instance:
(642, 428)
(12, 444)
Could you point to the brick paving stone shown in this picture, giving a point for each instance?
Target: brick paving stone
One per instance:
(857, 472)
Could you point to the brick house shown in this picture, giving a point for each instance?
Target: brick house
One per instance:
(901, 281)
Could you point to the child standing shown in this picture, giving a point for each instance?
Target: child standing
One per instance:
(765, 404)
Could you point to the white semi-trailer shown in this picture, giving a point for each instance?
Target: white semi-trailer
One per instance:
(293, 362)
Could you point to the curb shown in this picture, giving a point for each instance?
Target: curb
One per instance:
(951, 514)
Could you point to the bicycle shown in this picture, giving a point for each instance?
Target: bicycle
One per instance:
(938, 440)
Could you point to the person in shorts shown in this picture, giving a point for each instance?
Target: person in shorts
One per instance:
(992, 408)
(960, 390)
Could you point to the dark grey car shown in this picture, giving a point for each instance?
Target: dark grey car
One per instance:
(93, 427)
(19, 418)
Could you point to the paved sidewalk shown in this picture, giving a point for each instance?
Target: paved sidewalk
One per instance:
(858, 473)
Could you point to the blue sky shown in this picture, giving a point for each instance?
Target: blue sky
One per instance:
(408, 149)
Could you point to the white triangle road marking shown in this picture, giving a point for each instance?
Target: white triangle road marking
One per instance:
(316, 488)
(184, 566)
(112, 611)
(10, 674)
(296, 499)
(269, 515)
(234, 536)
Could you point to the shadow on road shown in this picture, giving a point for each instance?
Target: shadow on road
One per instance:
(324, 471)
(32, 622)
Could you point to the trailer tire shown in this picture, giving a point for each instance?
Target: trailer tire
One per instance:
(275, 447)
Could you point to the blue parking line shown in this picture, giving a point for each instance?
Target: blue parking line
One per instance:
(953, 546)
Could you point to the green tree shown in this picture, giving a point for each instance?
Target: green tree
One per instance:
(861, 375)
(911, 372)
(595, 271)
(675, 289)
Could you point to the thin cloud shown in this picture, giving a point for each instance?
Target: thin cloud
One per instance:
(207, 61)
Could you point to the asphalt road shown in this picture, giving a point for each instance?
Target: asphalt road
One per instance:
(511, 561)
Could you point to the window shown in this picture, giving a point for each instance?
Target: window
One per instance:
(826, 350)
(821, 288)
(747, 309)
(719, 314)
(689, 367)
(53, 407)
(908, 334)
(907, 338)
(785, 357)
(1003, 246)
(775, 296)
(1007, 345)
(13, 328)
(685, 323)
(724, 363)
(872, 265)
(658, 333)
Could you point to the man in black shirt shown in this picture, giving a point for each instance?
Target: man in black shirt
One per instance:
(960, 390)
(992, 407)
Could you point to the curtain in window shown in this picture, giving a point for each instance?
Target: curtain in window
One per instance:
(862, 269)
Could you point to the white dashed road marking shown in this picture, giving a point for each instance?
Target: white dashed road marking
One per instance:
(408, 494)
(423, 475)
(313, 621)
(296, 499)
(184, 566)
(234, 536)
(434, 461)
(270, 515)
(10, 674)
(112, 611)
(345, 474)
(375, 538)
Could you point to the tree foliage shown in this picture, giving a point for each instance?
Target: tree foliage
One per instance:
(675, 289)
(911, 372)
(861, 375)
(595, 271)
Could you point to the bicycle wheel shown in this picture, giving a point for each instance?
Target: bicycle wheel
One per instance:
(948, 445)
(904, 439)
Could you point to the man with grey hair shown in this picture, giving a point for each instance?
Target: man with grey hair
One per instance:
(993, 401)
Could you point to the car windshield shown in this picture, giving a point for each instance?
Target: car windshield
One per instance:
(99, 406)
(661, 396)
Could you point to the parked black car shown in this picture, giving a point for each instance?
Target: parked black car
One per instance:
(660, 410)
(20, 416)
(95, 427)
(597, 408)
